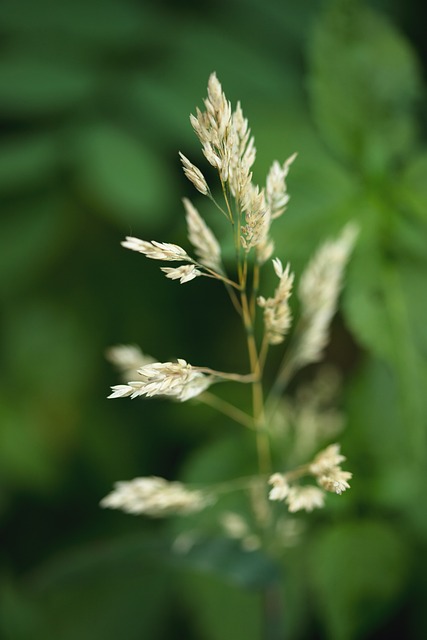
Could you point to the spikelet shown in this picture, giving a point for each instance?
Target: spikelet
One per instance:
(194, 175)
(157, 250)
(276, 193)
(277, 314)
(173, 379)
(254, 232)
(318, 291)
(155, 497)
(185, 273)
(201, 237)
(127, 358)
(242, 154)
(305, 498)
(213, 127)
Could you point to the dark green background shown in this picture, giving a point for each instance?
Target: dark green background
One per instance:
(94, 104)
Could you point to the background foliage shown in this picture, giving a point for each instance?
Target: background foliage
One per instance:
(94, 105)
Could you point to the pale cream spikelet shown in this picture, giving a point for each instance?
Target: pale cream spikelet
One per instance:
(254, 233)
(127, 358)
(184, 274)
(327, 459)
(177, 380)
(157, 250)
(242, 154)
(213, 127)
(318, 291)
(276, 194)
(280, 488)
(305, 498)
(335, 480)
(297, 497)
(156, 497)
(201, 237)
(326, 468)
(277, 313)
(194, 175)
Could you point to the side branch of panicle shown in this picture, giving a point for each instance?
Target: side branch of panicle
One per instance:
(213, 127)
(127, 358)
(194, 175)
(276, 193)
(177, 380)
(254, 231)
(157, 250)
(201, 237)
(277, 313)
(325, 468)
(318, 292)
(155, 497)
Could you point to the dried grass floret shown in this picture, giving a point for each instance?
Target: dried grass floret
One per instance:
(202, 238)
(305, 498)
(178, 380)
(318, 291)
(194, 175)
(155, 497)
(128, 358)
(157, 250)
(185, 273)
(277, 313)
(276, 194)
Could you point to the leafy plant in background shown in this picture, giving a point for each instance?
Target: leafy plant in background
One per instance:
(340, 82)
(250, 213)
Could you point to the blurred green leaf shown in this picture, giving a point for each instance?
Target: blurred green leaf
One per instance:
(364, 299)
(363, 83)
(226, 558)
(375, 420)
(358, 571)
(382, 309)
(165, 105)
(326, 204)
(19, 619)
(26, 162)
(104, 591)
(222, 611)
(241, 70)
(121, 177)
(226, 458)
(413, 185)
(31, 86)
(41, 332)
(106, 24)
(26, 457)
(410, 242)
(32, 235)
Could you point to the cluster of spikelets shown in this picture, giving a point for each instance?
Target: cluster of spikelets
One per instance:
(228, 146)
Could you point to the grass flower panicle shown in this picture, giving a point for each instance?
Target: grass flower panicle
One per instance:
(229, 147)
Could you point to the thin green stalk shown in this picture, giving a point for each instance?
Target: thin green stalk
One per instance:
(263, 445)
(227, 409)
